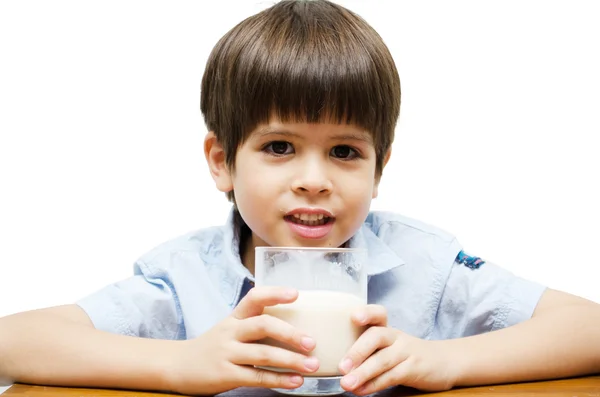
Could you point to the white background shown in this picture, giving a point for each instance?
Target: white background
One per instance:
(101, 134)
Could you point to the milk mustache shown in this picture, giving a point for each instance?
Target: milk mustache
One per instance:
(326, 317)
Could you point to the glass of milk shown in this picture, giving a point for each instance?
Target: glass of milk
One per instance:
(332, 284)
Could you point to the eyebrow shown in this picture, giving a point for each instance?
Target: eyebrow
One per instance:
(352, 136)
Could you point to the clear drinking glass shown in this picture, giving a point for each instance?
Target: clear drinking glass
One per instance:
(332, 284)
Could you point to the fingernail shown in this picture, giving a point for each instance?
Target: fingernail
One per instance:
(311, 363)
(295, 380)
(349, 381)
(307, 343)
(361, 317)
(290, 293)
(346, 365)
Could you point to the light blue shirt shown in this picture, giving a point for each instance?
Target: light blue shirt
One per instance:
(184, 287)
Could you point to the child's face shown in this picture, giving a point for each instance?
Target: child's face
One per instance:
(299, 184)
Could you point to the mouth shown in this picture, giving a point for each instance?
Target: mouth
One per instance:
(309, 219)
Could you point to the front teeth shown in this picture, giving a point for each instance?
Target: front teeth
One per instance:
(309, 217)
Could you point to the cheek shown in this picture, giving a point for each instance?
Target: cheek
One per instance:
(255, 184)
(357, 197)
(358, 187)
(254, 191)
(363, 204)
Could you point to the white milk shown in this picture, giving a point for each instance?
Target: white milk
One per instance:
(324, 316)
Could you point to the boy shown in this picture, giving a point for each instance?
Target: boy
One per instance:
(301, 101)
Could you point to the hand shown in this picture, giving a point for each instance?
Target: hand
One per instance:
(224, 358)
(383, 357)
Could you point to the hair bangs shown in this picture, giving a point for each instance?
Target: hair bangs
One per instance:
(313, 82)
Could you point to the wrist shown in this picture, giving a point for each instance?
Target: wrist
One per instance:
(459, 357)
(169, 372)
(454, 358)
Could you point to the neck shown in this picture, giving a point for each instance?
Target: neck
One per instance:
(247, 248)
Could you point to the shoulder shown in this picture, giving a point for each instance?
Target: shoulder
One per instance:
(394, 228)
(199, 244)
(427, 250)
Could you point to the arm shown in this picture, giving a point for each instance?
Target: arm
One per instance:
(561, 339)
(60, 346)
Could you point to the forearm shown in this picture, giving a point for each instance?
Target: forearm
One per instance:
(42, 348)
(561, 343)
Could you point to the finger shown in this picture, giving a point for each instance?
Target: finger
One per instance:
(264, 326)
(276, 357)
(371, 340)
(395, 376)
(254, 377)
(258, 298)
(375, 315)
(374, 366)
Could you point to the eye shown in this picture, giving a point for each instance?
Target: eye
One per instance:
(279, 148)
(344, 152)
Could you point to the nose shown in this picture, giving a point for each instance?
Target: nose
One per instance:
(312, 177)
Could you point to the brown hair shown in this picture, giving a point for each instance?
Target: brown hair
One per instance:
(300, 60)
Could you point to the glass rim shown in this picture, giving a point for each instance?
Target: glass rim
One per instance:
(314, 249)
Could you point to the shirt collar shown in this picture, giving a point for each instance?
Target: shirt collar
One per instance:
(381, 257)
(231, 248)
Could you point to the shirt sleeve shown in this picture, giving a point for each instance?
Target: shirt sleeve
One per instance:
(481, 297)
(142, 305)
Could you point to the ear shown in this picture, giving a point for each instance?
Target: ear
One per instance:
(378, 179)
(215, 157)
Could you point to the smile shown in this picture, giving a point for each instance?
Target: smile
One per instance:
(309, 219)
(310, 223)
